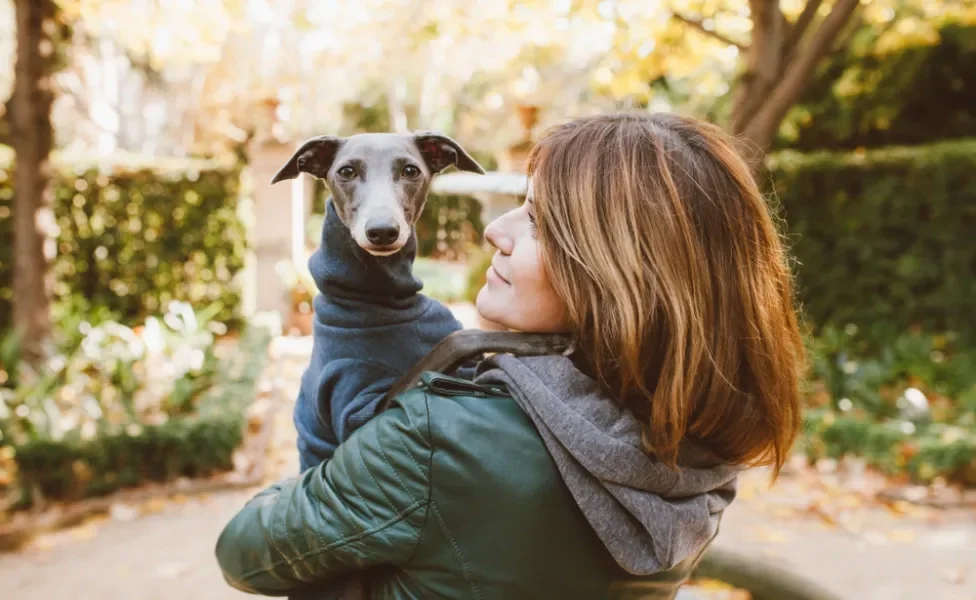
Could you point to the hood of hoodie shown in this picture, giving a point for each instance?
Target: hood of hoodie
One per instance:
(648, 516)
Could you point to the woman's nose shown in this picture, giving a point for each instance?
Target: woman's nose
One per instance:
(496, 236)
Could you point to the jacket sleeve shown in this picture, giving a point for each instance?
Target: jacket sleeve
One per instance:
(366, 507)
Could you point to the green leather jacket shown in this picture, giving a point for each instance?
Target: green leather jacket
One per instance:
(449, 494)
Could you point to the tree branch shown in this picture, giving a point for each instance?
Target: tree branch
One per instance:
(797, 73)
(800, 28)
(844, 39)
(698, 25)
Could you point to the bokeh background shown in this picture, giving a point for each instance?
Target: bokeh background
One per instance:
(155, 303)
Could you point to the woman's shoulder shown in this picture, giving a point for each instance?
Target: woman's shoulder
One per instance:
(478, 430)
(441, 399)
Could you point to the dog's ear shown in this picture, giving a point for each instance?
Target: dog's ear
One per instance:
(440, 152)
(314, 157)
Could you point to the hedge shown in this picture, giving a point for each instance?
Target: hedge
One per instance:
(136, 233)
(883, 238)
(191, 446)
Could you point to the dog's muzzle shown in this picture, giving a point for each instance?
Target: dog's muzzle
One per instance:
(382, 233)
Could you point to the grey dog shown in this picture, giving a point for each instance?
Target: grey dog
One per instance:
(379, 181)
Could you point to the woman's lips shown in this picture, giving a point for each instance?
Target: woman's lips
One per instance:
(493, 274)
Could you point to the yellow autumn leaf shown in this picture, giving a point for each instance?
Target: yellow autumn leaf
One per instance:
(902, 536)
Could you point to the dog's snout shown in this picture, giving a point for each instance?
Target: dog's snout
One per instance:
(382, 232)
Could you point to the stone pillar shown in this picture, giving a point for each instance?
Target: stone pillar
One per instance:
(277, 233)
(308, 191)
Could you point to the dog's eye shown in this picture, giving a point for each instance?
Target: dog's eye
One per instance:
(347, 172)
(411, 172)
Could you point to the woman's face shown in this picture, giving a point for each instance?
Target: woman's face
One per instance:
(518, 294)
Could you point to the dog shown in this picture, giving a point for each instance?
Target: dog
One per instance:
(379, 181)
(372, 324)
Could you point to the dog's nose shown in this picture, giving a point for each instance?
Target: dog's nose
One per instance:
(382, 232)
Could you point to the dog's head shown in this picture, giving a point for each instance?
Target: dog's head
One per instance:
(379, 181)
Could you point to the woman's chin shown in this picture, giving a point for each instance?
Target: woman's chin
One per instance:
(486, 306)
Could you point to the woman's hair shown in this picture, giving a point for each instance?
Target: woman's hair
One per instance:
(676, 280)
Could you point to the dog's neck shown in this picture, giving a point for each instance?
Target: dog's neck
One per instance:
(344, 271)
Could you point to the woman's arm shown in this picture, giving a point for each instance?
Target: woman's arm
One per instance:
(366, 507)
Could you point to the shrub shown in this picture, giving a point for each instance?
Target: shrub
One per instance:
(124, 455)
(922, 454)
(134, 235)
(106, 374)
(882, 237)
(906, 407)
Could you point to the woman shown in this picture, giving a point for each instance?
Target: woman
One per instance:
(600, 474)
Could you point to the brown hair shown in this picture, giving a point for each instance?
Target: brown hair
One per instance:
(676, 281)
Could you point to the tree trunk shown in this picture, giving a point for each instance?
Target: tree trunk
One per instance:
(31, 137)
(778, 66)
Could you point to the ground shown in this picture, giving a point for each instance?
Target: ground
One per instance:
(823, 525)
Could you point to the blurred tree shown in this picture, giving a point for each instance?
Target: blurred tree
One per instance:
(768, 49)
(39, 29)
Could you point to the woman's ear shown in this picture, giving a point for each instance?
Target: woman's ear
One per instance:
(440, 152)
(315, 157)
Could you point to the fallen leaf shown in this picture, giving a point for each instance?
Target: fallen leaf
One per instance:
(153, 505)
(43, 543)
(85, 532)
(817, 509)
(772, 536)
(903, 536)
(784, 512)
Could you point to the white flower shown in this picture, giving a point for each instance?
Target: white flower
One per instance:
(913, 404)
(152, 335)
(196, 360)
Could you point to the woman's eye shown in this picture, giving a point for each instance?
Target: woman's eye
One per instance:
(411, 172)
(533, 223)
(347, 172)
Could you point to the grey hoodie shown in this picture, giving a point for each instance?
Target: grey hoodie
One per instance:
(648, 516)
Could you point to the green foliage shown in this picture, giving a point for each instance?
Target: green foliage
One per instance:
(872, 378)
(105, 374)
(923, 453)
(863, 98)
(905, 407)
(125, 455)
(882, 237)
(134, 235)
